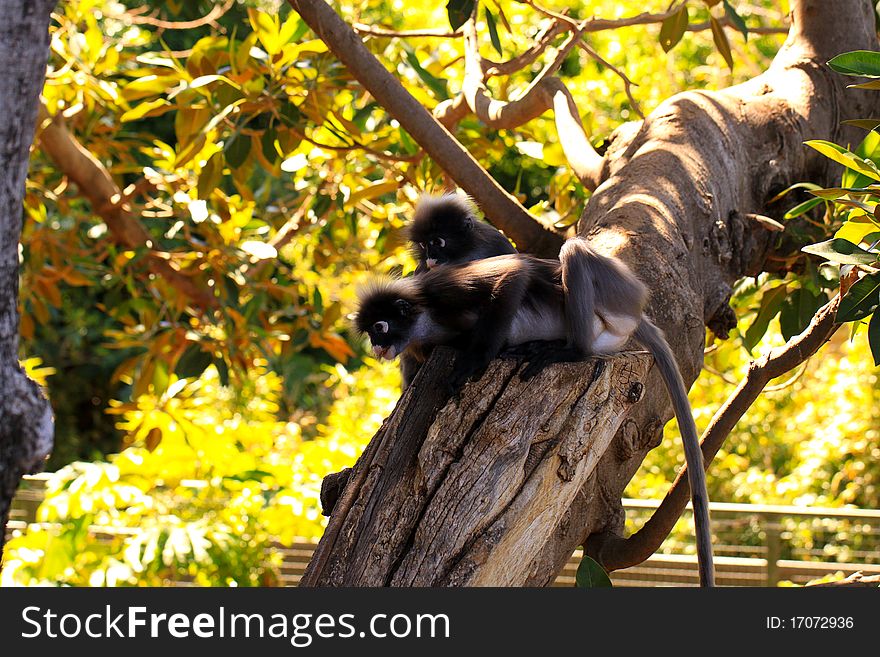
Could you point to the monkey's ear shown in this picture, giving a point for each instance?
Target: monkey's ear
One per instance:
(404, 306)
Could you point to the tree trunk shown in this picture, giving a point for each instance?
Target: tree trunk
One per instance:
(501, 489)
(25, 416)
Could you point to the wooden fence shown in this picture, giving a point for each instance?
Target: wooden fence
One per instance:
(754, 545)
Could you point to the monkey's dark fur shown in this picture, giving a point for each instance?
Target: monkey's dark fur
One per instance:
(445, 230)
(592, 301)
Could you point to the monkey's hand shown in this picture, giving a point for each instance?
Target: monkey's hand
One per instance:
(539, 355)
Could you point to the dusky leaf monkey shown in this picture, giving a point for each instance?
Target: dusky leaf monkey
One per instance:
(591, 301)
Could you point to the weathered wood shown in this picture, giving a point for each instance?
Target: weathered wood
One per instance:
(677, 202)
(465, 493)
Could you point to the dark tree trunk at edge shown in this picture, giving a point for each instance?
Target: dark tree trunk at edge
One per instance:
(25, 416)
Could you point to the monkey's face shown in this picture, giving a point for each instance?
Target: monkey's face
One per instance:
(388, 321)
(445, 239)
(436, 251)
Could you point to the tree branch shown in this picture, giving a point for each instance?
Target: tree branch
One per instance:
(545, 92)
(372, 30)
(208, 19)
(614, 552)
(501, 208)
(108, 202)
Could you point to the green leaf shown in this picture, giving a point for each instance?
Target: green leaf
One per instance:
(832, 193)
(673, 28)
(237, 150)
(845, 157)
(721, 42)
(770, 304)
(866, 124)
(493, 31)
(798, 309)
(874, 337)
(829, 193)
(865, 63)
(800, 185)
(222, 370)
(193, 362)
(736, 19)
(842, 251)
(590, 575)
(459, 11)
(267, 144)
(210, 175)
(802, 208)
(860, 300)
(435, 84)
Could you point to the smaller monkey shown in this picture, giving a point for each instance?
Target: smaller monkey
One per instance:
(445, 230)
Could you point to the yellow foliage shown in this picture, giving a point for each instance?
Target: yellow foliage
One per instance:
(226, 482)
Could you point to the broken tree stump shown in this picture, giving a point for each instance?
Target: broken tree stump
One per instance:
(472, 492)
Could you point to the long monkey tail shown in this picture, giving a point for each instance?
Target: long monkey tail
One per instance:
(579, 294)
(652, 338)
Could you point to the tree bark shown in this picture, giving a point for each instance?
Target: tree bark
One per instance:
(501, 489)
(25, 416)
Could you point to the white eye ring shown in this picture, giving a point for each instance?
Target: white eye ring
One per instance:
(441, 242)
(381, 327)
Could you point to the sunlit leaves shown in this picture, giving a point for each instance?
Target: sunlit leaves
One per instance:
(459, 11)
(673, 28)
(860, 300)
(843, 156)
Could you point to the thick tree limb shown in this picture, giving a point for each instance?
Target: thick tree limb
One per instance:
(545, 92)
(465, 493)
(26, 430)
(108, 202)
(678, 192)
(501, 208)
(685, 181)
(615, 553)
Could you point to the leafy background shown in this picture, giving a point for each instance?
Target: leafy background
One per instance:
(191, 439)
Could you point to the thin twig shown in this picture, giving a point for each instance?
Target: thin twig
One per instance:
(627, 83)
(208, 19)
(372, 30)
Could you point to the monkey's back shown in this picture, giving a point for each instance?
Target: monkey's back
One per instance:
(457, 294)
